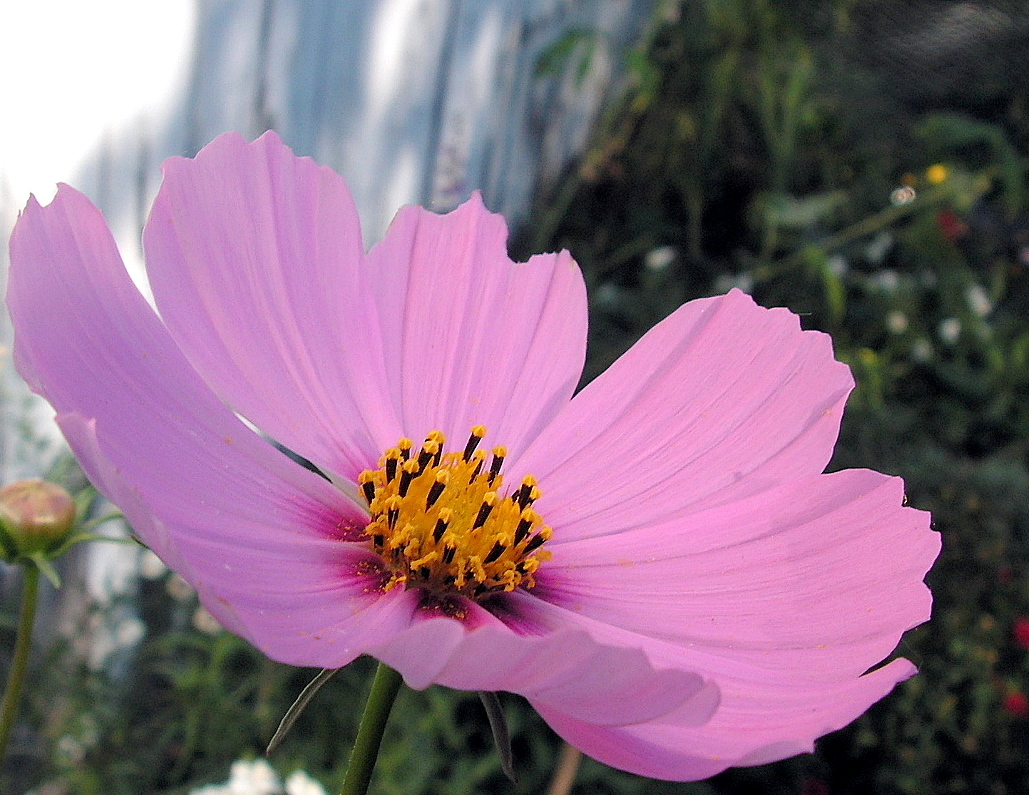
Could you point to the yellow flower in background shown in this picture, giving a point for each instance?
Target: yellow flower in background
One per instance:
(937, 173)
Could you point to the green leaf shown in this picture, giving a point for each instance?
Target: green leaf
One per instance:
(41, 562)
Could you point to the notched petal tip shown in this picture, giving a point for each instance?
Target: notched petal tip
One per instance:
(469, 336)
(31, 206)
(64, 195)
(63, 192)
(255, 259)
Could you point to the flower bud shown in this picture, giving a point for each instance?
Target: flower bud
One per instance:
(36, 516)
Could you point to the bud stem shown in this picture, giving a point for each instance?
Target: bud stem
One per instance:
(20, 661)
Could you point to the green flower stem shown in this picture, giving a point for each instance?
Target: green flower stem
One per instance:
(385, 687)
(20, 662)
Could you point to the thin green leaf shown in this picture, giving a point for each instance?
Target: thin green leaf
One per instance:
(40, 561)
(501, 735)
(298, 707)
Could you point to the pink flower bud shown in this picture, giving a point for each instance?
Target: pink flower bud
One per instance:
(35, 516)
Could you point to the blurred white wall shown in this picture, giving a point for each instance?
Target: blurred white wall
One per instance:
(74, 76)
(413, 101)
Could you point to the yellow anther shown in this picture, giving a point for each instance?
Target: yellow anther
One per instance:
(489, 499)
(366, 480)
(429, 559)
(442, 524)
(478, 432)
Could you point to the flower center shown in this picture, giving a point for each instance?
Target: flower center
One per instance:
(440, 523)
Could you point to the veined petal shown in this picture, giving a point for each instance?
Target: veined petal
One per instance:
(256, 533)
(313, 604)
(469, 337)
(753, 725)
(600, 683)
(764, 713)
(720, 400)
(256, 263)
(793, 579)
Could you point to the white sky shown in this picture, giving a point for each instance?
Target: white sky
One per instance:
(72, 69)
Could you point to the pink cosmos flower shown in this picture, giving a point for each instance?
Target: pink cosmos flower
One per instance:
(658, 563)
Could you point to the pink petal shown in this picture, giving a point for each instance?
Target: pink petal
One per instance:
(603, 684)
(469, 337)
(253, 531)
(720, 400)
(764, 713)
(753, 726)
(819, 577)
(256, 262)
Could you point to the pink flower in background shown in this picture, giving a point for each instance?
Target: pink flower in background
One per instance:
(658, 563)
(1016, 704)
(1021, 632)
(951, 225)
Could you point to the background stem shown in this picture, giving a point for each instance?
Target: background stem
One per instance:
(566, 770)
(20, 661)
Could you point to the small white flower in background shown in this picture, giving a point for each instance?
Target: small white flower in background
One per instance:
(903, 195)
(608, 295)
(922, 350)
(128, 633)
(111, 632)
(255, 777)
(657, 259)
(299, 783)
(897, 322)
(878, 247)
(211, 789)
(978, 301)
(70, 749)
(727, 281)
(150, 566)
(950, 330)
(886, 279)
(258, 777)
(178, 589)
(204, 622)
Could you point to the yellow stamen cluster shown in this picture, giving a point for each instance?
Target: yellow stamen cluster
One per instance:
(440, 523)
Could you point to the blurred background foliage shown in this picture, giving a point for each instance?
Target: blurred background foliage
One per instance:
(862, 162)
